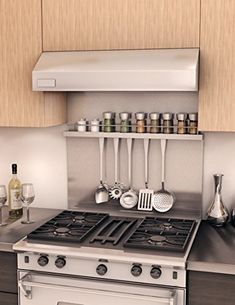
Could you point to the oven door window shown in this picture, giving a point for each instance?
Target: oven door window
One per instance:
(53, 290)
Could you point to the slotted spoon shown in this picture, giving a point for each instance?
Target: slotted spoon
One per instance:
(163, 200)
(145, 195)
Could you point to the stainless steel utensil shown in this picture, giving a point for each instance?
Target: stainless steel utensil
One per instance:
(101, 194)
(145, 195)
(163, 200)
(129, 199)
(116, 191)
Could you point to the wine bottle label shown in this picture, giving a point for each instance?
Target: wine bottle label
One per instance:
(16, 202)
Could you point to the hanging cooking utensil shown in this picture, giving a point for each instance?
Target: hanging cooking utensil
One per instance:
(129, 199)
(101, 194)
(145, 195)
(116, 191)
(163, 200)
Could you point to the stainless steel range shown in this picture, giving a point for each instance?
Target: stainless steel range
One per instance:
(94, 258)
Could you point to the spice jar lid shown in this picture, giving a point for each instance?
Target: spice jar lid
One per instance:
(182, 116)
(95, 122)
(193, 116)
(167, 116)
(82, 122)
(154, 115)
(109, 115)
(140, 115)
(125, 115)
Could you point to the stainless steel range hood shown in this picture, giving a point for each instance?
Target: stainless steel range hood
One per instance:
(134, 70)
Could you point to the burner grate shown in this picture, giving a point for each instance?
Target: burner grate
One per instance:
(161, 234)
(114, 230)
(68, 226)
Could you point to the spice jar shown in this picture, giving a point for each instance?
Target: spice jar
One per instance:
(109, 121)
(182, 123)
(95, 125)
(168, 124)
(125, 124)
(193, 123)
(82, 125)
(155, 122)
(141, 122)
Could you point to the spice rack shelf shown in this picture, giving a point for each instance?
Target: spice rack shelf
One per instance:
(133, 135)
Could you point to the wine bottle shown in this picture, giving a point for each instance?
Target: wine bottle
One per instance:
(15, 203)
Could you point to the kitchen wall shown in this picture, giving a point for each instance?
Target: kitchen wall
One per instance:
(42, 159)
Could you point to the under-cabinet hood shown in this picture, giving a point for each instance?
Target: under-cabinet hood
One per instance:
(132, 70)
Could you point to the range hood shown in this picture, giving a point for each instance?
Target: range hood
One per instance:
(133, 70)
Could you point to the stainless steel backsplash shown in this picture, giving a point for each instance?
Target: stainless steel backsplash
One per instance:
(184, 159)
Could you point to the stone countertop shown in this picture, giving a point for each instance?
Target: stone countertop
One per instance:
(213, 250)
(15, 230)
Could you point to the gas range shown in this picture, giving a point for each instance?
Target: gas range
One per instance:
(98, 246)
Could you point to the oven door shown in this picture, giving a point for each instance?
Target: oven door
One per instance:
(40, 289)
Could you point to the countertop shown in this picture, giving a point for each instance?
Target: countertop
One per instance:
(15, 230)
(213, 250)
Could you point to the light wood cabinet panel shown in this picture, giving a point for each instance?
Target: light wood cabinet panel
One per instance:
(120, 24)
(217, 77)
(20, 47)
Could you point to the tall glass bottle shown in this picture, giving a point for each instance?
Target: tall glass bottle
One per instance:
(15, 203)
(217, 213)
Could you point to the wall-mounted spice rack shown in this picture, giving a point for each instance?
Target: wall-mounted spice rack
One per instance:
(133, 135)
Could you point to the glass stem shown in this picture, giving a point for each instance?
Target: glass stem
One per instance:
(1, 216)
(27, 210)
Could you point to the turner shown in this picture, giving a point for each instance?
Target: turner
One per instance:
(145, 195)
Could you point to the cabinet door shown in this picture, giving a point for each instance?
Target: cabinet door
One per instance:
(120, 24)
(20, 47)
(210, 288)
(217, 77)
(8, 274)
(8, 298)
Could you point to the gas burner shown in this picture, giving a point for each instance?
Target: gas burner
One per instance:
(80, 219)
(68, 226)
(166, 226)
(61, 231)
(157, 240)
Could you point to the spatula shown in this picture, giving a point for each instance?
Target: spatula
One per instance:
(145, 195)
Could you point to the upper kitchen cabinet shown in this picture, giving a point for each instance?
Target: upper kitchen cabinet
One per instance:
(20, 47)
(217, 57)
(120, 24)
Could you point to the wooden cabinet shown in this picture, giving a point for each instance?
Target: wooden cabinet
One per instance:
(20, 47)
(120, 24)
(217, 57)
(8, 278)
(210, 288)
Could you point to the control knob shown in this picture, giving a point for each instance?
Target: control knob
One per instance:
(101, 269)
(136, 270)
(60, 262)
(155, 273)
(43, 260)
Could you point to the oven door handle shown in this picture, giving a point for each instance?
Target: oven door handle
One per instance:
(25, 287)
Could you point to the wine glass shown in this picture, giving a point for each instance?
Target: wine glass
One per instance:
(27, 197)
(3, 199)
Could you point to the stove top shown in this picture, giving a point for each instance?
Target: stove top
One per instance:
(105, 231)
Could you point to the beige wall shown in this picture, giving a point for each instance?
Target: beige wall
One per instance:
(41, 158)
